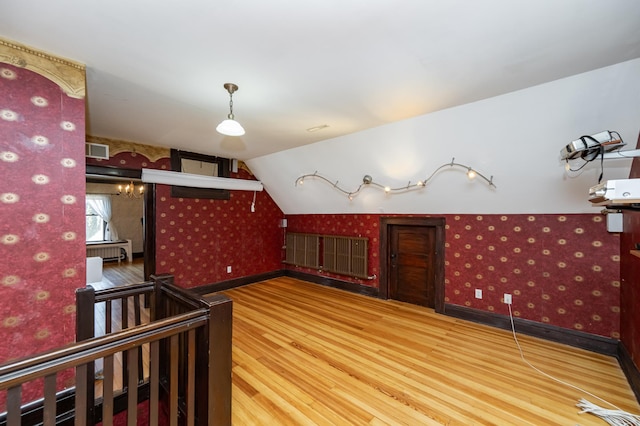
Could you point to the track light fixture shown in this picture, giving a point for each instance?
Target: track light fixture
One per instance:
(230, 126)
(367, 180)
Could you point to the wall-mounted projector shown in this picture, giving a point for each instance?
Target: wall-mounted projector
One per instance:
(590, 146)
(615, 192)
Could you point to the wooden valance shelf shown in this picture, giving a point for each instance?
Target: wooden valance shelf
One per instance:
(636, 253)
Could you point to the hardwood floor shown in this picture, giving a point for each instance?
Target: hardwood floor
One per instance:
(114, 274)
(304, 354)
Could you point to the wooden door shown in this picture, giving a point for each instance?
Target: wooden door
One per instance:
(412, 264)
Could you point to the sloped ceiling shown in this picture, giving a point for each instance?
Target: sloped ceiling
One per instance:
(516, 138)
(155, 70)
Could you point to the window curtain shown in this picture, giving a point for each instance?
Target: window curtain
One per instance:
(101, 204)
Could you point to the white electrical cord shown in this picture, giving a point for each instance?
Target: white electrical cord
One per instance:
(616, 417)
(613, 417)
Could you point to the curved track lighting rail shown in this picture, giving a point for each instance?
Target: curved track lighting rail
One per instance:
(367, 180)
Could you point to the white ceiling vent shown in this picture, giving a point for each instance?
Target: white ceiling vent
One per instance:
(96, 150)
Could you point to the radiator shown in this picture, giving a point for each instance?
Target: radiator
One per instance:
(112, 250)
(345, 255)
(302, 250)
(105, 252)
(341, 255)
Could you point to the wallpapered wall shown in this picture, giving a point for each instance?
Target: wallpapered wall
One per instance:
(629, 291)
(630, 277)
(42, 250)
(561, 269)
(196, 239)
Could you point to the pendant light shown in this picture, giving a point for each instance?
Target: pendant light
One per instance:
(230, 127)
(130, 190)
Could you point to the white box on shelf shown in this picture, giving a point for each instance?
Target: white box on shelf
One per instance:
(614, 222)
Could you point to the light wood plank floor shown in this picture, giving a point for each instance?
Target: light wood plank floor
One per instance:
(304, 354)
(114, 275)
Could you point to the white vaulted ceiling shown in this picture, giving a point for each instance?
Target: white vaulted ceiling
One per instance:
(155, 70)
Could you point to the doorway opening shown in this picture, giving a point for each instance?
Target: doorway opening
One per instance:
(110, 174)
(412, 260)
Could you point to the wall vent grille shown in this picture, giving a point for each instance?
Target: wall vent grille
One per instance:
(345, 255)
(303, 250)
(341, 255)
(96, 150)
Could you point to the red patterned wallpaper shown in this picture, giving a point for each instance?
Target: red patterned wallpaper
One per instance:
(561, 269)
(197, 239)
(351, 225)
(42, 248)
(630, 286)
(630, 276)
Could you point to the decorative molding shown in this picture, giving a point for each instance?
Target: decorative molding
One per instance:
(69, 75)
(242, 165)
(325, 281)
(152, 152)
(629, 368)
(575, 338)
(117, 146)
(349, 286)
(236, 282)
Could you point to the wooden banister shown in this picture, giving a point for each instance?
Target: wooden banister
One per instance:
(124, 291)
(69, 356)
(189, 344)
(85, 329)
(80, 354)
(219, 360)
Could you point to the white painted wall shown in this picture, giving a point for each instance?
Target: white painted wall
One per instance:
(515, 137)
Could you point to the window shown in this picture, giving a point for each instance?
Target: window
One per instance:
(99, 225)
(200, 164)
(95, 225)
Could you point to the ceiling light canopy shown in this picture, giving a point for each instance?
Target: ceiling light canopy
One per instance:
(230, 127)
(316, 128)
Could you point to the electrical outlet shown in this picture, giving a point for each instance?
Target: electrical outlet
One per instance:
(478, 293)
(507, 298)
(228, 269)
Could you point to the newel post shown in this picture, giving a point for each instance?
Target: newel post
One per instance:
(218, 361)
(158, 307)
(85, 375)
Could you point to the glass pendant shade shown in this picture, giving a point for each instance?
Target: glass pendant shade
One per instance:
(230, 127)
